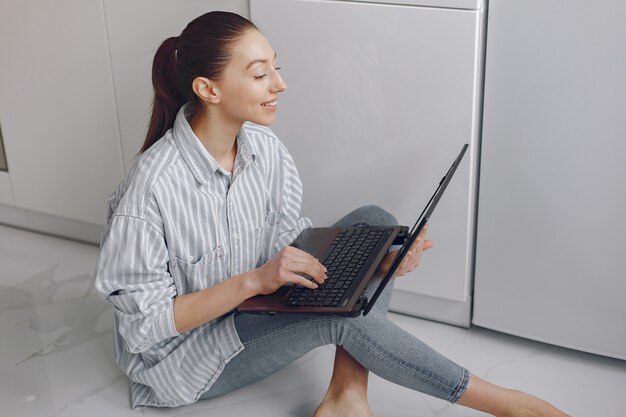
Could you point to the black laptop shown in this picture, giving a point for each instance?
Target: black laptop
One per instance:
(352, 256)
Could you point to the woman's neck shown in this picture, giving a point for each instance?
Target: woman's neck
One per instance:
(218, 136)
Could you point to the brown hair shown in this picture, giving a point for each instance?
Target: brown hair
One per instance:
(202, 50)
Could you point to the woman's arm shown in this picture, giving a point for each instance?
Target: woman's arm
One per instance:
(194, 309)
(132, 274)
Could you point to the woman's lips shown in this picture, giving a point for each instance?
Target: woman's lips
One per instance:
(270, 105)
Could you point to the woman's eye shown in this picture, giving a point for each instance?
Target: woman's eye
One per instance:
(258, 77)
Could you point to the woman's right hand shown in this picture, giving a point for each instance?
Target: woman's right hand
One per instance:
(287, 267)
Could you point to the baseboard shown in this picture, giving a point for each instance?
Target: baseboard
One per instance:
(432, 308)
(50, 225)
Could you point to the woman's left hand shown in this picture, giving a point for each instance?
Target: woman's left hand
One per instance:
(412, 258)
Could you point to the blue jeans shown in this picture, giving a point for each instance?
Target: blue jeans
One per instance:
(273, 342)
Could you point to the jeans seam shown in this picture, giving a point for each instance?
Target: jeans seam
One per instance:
(399, 362)
(369, 343)
(281, 331)
(462, 386)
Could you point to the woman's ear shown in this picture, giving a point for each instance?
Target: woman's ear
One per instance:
(206, 90)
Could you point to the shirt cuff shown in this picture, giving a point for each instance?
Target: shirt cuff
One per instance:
(164, 326)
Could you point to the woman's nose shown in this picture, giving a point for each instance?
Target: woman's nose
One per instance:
(279, 85)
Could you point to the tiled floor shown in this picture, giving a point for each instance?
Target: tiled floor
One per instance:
(56, 354)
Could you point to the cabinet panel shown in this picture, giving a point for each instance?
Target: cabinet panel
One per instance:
(448, 4)
(551, 229)
(58, 118)
(379, 100)
(135, 30)
(6, 194)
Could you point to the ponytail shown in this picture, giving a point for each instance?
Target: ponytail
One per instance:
(203, 49)
(167, 97)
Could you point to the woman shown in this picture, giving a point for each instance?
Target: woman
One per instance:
(203, 222)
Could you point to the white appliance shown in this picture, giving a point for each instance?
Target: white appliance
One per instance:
(551, 235)
(380, 99)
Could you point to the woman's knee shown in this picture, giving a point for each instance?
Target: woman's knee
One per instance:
(346, 329)
(371, 215)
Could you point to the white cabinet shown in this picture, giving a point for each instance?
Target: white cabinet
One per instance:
(75, 103)
(380, 99)
(135, 31)
(57, 108)
(6, 194)
(551, 232)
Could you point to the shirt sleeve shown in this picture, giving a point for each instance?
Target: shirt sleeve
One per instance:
(290, 224)
(132, 274)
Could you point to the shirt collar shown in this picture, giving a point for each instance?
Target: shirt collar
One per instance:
(200, 162)
(245, 148)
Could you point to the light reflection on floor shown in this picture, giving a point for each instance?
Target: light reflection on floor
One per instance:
(56, 354)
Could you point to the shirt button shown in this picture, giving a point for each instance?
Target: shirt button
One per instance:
(235, 235)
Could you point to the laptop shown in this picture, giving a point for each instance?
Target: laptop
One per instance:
(352, 256)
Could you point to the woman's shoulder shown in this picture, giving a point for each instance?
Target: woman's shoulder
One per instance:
(263, 140)
(260, 130)
(261, 135)
(134, 193)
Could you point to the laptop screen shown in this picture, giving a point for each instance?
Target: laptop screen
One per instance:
(417, 228)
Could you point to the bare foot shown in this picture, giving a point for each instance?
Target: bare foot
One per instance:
(526, 405)
(502, 402)
(344, 405)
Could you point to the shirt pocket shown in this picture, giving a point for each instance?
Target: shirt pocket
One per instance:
(191, 276)
(264, 233)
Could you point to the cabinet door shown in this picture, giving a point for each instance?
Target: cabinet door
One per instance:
(551, 235)
(6, 194)
(380, 99)
(135, 31)
(57, 107)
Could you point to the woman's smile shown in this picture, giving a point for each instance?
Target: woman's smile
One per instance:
(270, 105)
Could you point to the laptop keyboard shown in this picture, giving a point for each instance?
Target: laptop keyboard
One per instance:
(344, 262)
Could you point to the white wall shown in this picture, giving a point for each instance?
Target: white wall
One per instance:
(76, 91)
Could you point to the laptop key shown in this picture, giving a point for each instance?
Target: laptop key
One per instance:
(344, 263)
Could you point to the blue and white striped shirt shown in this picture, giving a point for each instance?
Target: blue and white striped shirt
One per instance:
(179, 223)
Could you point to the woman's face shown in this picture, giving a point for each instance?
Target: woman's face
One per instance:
(251, 83)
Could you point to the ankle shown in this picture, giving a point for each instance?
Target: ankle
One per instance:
(523, 404)
(337, 391)
(347, 403)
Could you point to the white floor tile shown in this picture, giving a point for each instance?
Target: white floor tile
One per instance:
(56, 354)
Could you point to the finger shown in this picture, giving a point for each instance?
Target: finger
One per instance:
(309, 269)
(422, 233)
(410, 263)
(420, 238)
(299, 280)
(400, 272)
(409, 259)
(298, 255)
(418, 249)
(404, 265)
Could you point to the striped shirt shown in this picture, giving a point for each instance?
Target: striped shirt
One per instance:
(177, 224)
